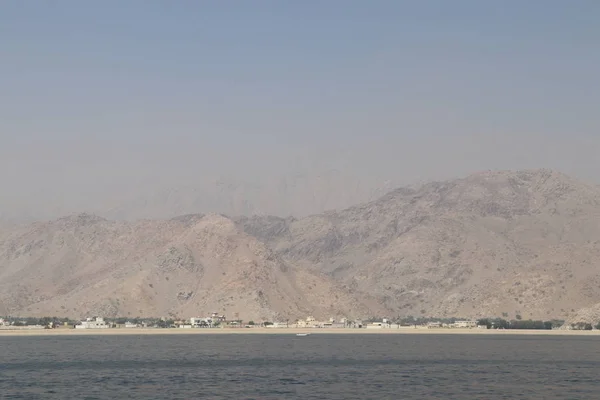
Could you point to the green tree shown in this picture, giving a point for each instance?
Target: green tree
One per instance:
(528, 324)
(485, 322)
(162, 324)
(582, 326)
(406, 321)
(499, 323)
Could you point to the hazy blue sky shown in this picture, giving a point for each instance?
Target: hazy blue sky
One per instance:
(95, 96)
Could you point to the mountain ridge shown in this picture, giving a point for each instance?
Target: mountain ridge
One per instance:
(190, 265)
(490, 244)
(420, 248)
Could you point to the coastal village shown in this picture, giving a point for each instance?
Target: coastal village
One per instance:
(220, 321)
(216, 321)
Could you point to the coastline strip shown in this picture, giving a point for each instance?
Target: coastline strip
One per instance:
(289, 331)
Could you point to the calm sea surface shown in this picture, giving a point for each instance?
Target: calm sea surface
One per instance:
(313, 367)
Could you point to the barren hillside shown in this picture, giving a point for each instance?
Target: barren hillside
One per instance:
(191, 265)
(494, 243)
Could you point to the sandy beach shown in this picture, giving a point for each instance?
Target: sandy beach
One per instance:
(287, 331)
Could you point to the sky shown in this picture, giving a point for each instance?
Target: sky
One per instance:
(98, 98)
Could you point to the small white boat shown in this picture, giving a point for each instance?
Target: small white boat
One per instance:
(302, 334)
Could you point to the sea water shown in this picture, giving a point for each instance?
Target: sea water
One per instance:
(280, 366)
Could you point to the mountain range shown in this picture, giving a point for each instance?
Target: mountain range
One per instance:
(517, 244)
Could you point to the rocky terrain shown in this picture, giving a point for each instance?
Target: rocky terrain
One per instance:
(191, 265)
(501, 244)
(496, 243)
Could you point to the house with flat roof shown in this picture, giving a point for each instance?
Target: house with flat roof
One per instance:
(465, 324)
(93, 323)
(383, 324)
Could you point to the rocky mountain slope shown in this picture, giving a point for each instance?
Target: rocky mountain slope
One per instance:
(188, 266)
(507, 244)
(496, 243)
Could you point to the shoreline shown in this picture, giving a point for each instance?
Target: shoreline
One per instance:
(287, 331)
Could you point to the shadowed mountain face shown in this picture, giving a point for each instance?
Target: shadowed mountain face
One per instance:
(492, 244)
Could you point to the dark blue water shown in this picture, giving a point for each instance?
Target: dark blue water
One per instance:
(313, 367)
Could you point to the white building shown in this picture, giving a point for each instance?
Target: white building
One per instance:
(380, 325)
(198, 322)
(215, 317)
(465, 324)
(93, 323)
(309, 322)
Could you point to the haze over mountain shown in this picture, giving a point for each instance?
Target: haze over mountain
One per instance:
(492, 244)
(146, 110)
(296, 195)
(116, 118)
